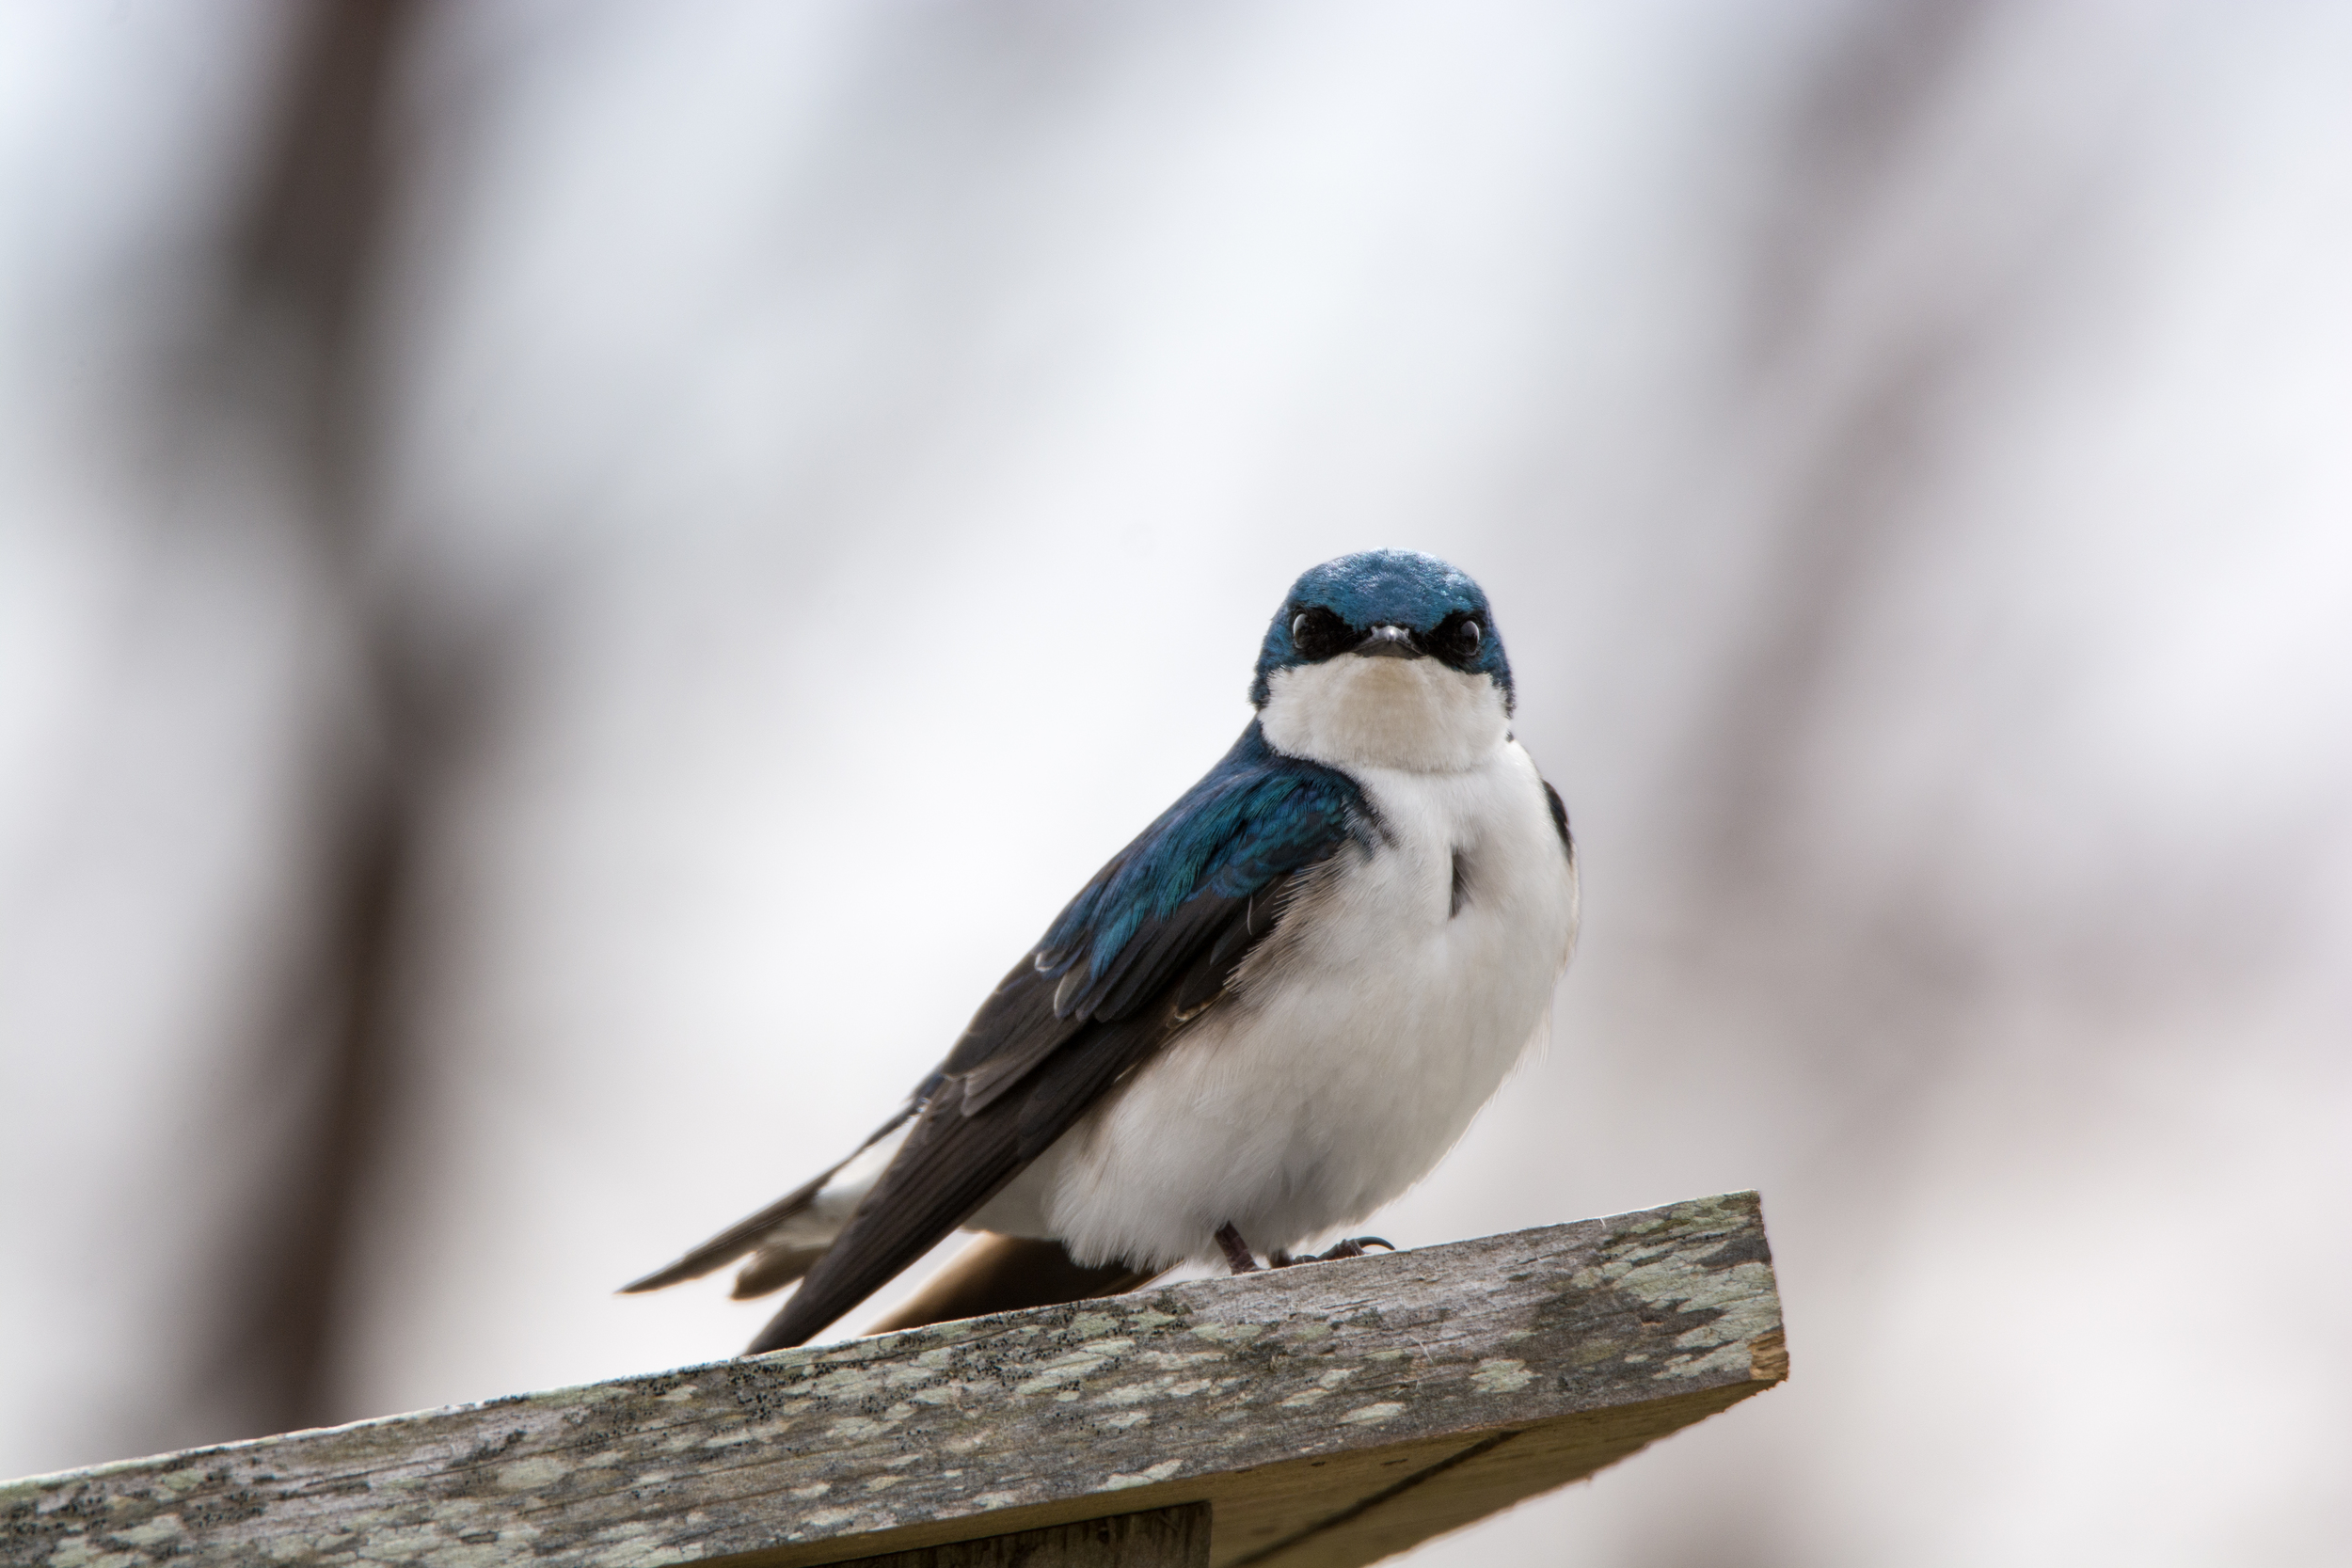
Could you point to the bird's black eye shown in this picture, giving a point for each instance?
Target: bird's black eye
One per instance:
(1317, 633)
(1457, 638)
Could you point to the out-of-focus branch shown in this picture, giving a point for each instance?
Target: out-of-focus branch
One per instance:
(1852, 139)
(304, 256)
(306, 250)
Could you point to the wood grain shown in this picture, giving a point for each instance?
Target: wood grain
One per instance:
(1164, 1538)
(1333, 1414)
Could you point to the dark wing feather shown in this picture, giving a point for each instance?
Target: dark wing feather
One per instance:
(1560, 819)
(1014, 1030)
(1145, 968)
(1257, 816)
(1143, 948)
(953, 1161)
(1224, 849)
(743, 1235)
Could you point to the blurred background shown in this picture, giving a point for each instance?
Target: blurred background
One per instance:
(576, 578)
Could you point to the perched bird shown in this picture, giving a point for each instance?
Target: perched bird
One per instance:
(1266, 1017)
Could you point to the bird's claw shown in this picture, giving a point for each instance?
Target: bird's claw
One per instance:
(1242, 1260)
(1352, 1247)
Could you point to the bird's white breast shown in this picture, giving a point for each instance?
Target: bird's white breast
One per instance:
(1358, 1041)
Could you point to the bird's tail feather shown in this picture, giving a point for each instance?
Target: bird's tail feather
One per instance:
(790, 1235)
(736, 1240)
(775, 1266)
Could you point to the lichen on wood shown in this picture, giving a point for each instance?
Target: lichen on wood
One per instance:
(1331, 1413)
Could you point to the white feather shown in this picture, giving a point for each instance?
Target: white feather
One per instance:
(1411, 714)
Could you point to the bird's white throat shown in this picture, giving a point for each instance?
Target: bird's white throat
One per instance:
(1412, 714)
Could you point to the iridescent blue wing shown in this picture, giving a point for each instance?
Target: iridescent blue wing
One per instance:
(1207, 876)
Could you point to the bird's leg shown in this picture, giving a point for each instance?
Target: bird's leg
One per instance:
(1236, 1251)
(1281, 1257)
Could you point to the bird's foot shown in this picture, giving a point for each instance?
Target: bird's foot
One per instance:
(1353, 1248)
(1237, 1254)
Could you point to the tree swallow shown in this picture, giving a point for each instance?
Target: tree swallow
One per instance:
(1268, 1015)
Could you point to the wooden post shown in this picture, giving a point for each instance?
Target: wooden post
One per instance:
(1317, 1417)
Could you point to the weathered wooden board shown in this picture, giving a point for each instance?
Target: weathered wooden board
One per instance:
(1164, 1538)
(1333, 1414)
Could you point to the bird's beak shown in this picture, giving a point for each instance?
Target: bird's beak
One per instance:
(1389, 643)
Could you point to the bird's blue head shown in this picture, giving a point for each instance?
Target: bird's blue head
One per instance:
(1385, 659)
(1384, 604)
